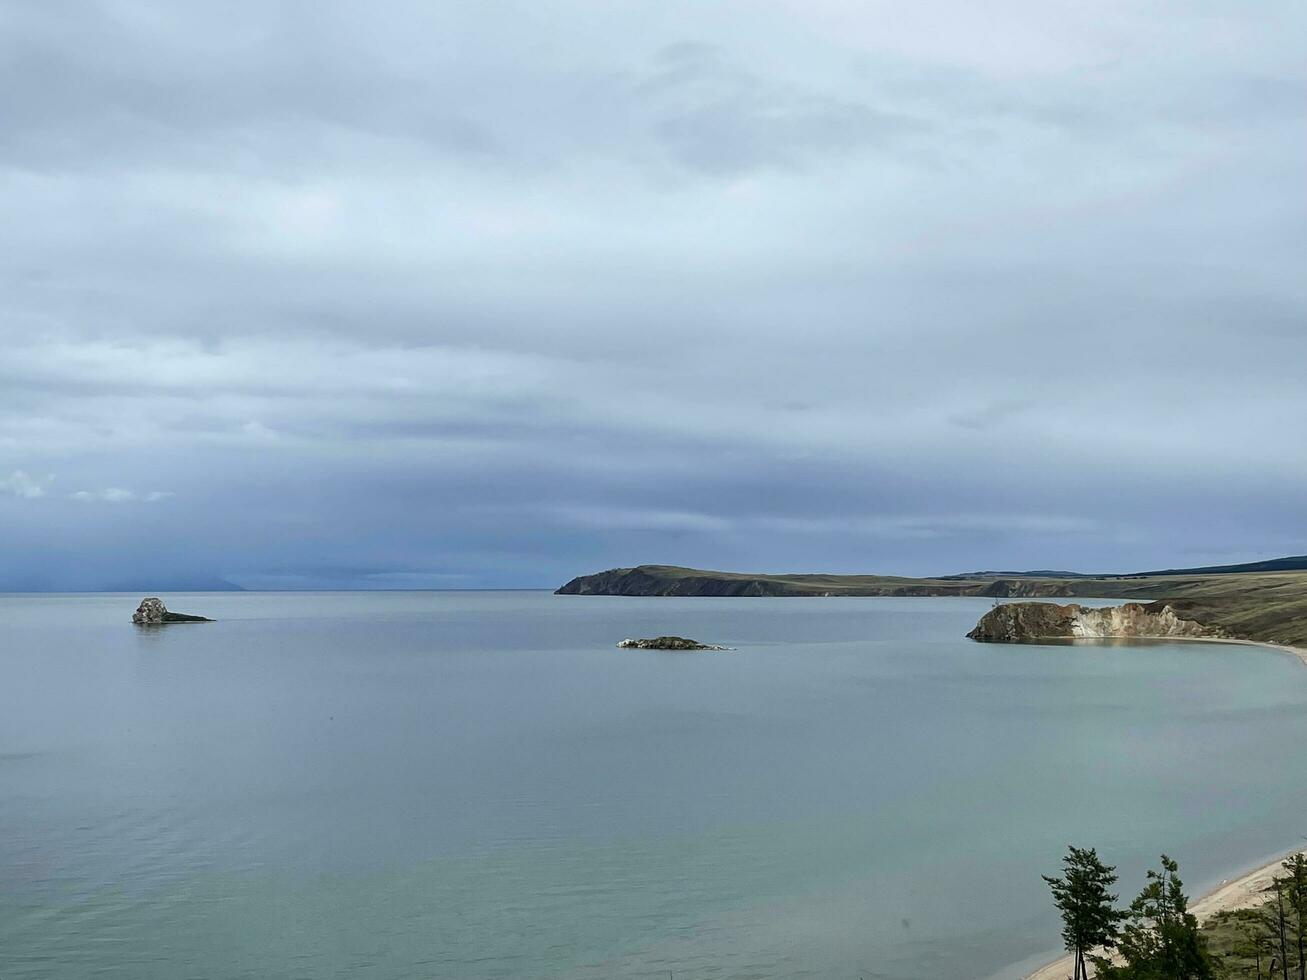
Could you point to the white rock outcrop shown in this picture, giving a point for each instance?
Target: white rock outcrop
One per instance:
(1014, 622)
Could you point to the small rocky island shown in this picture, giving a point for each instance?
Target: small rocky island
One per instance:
(667, 643)
(152, 612)
(1018, 622)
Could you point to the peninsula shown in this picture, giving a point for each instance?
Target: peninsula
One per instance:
(1263, 602)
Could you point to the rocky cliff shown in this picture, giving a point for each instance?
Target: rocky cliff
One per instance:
(1016, 622)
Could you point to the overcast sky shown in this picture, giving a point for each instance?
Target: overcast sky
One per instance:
(492, 294)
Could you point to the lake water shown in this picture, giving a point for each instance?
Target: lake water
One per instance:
(478, 785)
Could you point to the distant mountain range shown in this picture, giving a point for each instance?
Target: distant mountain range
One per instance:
(1296, 563)
(197, 584)
(961, 576)
(676, 580)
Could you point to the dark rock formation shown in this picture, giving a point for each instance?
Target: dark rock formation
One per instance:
(647, 581)
(667, 643)
(1017, 622)
(152, 612)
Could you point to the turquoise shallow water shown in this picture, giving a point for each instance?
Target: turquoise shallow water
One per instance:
(478, 785)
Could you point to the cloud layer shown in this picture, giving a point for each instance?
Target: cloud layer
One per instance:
(497, 295)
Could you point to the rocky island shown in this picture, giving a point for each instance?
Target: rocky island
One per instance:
(152, 612)
(667, 643)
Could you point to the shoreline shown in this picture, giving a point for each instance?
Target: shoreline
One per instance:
(1239, 892)
(1299, 652)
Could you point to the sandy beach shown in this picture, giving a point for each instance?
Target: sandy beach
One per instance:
(1299, 652)
(1234, 893)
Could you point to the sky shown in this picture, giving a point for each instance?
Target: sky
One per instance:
(492, 294)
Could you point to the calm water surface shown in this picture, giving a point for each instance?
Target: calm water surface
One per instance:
(478, 785)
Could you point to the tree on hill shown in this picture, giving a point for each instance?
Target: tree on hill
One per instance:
(1275, 921)
(1295, 894)
(1252, 944)
(1161, 940)
(1089, 913)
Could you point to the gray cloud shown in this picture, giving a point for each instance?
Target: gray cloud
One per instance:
(440, 294)
(19, 484)
(719, 119)
(991, 415)
(119, 495)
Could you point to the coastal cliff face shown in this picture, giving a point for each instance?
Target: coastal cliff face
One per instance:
(1020, 621)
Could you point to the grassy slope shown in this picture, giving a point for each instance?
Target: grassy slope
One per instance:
(1266, 606)
(1228, 935)
(814, 583)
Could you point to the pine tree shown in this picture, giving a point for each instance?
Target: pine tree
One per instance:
(1275, 915)
(1089, 914)
(1295, 892)
(1162, 940)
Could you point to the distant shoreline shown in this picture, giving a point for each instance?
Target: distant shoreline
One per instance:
(1232, 893)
